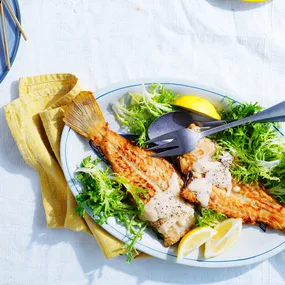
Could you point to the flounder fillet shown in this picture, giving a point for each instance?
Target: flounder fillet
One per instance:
(85, 117)
(251, 202)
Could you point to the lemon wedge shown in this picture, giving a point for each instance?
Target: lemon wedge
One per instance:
(227, 233)
(193, 240)
(198, 105)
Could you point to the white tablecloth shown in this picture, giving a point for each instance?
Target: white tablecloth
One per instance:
(227, 44)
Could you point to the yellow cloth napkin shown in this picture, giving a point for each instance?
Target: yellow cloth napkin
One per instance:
(35, 121)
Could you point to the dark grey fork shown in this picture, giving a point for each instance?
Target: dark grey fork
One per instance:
(185, 140)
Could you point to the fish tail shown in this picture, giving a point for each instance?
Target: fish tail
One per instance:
(84, 116)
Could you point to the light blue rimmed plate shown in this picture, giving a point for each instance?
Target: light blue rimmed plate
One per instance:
(13, 37)
(253, 245)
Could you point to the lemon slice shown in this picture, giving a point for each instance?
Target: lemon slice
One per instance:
(198, 105)
(227, 234)
(193, 240)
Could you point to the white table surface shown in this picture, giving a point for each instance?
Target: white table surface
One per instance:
(224, 44)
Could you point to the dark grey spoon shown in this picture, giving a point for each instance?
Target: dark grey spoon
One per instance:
(180, 119)
(177, 120)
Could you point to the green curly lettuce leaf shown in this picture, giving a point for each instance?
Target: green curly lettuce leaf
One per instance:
(136, 111)
(205, 217)
(258, 150)
(108, 195)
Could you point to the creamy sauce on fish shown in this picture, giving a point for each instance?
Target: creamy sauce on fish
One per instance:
(236, 189)
(226, 159)
(208, 173)
(206, 146)
(169, 206)
(203, 188)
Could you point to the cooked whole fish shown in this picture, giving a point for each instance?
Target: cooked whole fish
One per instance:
(165, 210)
(250, 202)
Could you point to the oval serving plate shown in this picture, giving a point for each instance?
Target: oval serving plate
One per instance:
(74, 148)
(13, 37)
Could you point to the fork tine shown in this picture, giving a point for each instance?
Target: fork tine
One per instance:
(171, 152)
(173, 143)
(168, 136)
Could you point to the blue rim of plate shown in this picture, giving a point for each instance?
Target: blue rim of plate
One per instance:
(17, 43)
(89, 211)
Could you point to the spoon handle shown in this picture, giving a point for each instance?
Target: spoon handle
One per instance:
(221, 122)
(211, 123)
(277, 110)
(273, 120)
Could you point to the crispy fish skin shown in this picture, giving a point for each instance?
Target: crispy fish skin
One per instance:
(173, 232)
(126, 157)
(251, 202)
(85, 117)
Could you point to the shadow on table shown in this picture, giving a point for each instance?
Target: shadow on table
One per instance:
(84, 245)
(94, 265)
(155, 270)
(236, 5)
(278, 263)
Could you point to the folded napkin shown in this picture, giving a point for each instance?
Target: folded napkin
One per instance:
(35, 121)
